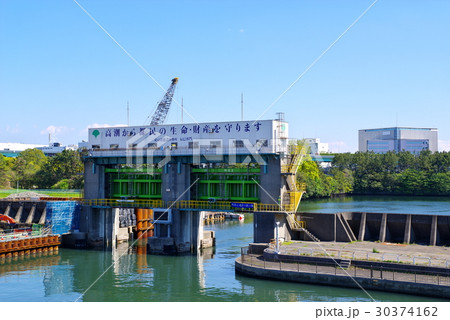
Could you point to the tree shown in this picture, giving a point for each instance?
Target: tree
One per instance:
(6, 172)
(64, 165)
(27, 164)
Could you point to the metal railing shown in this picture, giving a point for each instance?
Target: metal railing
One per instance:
(188, 204)
(21, 233)
(372, 272)
(365, 255)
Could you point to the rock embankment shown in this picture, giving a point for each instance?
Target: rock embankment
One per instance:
(26, 195)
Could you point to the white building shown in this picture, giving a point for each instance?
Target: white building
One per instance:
(12, 149)
(263, 136)
(317, 147)
(398, 139)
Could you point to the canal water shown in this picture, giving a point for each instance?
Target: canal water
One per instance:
(124, 275)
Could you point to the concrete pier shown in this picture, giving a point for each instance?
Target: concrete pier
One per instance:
(362, 227)
(408, 230)
(305, 262)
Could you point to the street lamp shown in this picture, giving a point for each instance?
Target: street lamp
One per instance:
(277, 246)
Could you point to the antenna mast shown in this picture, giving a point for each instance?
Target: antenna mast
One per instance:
(242, 106)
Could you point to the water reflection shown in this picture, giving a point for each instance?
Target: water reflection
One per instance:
(130, 274)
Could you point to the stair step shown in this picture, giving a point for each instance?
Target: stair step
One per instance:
(345, 264)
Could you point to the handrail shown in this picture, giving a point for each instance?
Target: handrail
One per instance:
(193, 204)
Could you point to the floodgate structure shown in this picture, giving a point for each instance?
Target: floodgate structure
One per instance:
(157, 182)
(172, 174)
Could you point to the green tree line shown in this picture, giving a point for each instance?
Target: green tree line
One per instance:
(31, 169)
(401, 173)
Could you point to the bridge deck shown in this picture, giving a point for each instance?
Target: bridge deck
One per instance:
(193, 205)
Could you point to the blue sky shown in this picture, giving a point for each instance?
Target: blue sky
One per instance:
(60, 73)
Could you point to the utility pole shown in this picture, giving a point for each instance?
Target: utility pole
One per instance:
(128, 114)
(242, 106)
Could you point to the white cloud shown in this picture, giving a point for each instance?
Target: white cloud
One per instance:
(54, 130)
(339, 147)
(12, 130)
(444, 145)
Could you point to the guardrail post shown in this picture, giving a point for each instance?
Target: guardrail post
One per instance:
(371, 272)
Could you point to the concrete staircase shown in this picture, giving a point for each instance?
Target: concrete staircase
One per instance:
(345, 263)
(310, 235)
(299, 226)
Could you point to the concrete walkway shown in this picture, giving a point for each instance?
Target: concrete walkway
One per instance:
(362, 250)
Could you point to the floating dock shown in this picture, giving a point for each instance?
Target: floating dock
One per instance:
(222, 216)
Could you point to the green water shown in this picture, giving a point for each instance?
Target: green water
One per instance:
(209, 277)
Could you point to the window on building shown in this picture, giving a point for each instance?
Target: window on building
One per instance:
(193, 145)
(95, 146)
(215, 144)
(238, 143)
(114, 146)
(152, 145)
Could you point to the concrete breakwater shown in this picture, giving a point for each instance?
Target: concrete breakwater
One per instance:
(259, 261)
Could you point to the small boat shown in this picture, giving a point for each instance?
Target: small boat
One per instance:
(235, 216)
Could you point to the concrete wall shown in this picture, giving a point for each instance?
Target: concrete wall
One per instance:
(263, 227)
(94, 181)
(384, 227)
(344, 281)
(270, 181)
